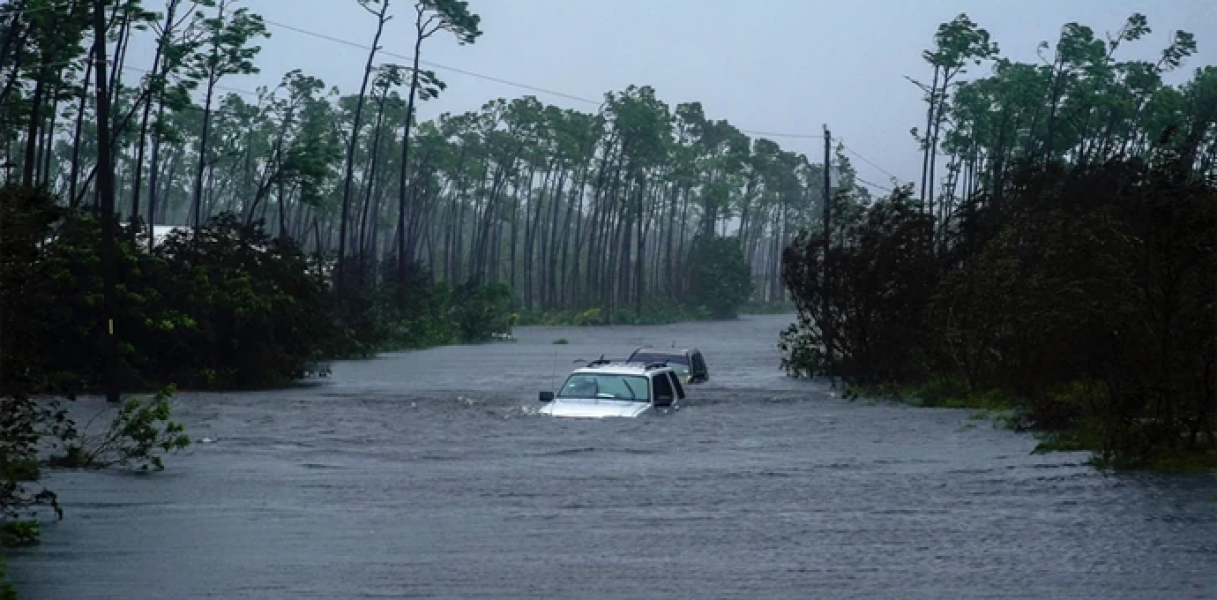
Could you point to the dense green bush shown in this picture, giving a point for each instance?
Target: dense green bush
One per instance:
(254, 308)
(228, 307)
(27, 219)
(720, 280)
(1086, 294)
(420, 314)
(878, 285)
(480, 311)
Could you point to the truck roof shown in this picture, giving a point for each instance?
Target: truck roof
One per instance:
(618, 368)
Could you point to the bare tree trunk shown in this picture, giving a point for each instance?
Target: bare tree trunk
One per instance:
(352, 144)
(161, 72)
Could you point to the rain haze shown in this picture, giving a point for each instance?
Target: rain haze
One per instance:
(597, 321)
(774, 68)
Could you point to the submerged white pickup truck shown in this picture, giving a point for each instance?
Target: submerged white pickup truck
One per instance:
(607, 389)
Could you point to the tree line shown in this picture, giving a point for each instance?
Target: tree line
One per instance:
(423, 233)
(1065, 270)
(572, 210)
(321, 224)
(1081, 104)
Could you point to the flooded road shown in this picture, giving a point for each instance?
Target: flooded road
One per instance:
(428, 475)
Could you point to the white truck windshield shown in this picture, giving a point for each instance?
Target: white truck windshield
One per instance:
(606, 386)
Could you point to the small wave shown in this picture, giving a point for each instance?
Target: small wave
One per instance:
(320, 466)
(568, 451)
(523, 410)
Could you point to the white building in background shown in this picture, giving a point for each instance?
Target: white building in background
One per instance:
(160, 232)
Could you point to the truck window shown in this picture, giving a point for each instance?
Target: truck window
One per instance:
(680, 389)
(663, 386)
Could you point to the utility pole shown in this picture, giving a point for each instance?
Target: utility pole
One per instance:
(105, 190)
(826, 328)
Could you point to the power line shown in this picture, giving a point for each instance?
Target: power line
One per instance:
(345, 42)
(221, 111)
(874, 185)
(403, 57)
(870, 162)
(499, 80)
(801, 136)
(508, 82)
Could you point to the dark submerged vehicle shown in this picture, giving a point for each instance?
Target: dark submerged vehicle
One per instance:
(688, 363)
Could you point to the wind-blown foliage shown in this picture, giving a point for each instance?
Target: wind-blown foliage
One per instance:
(1068, 268)
(1087, 294)
(572, 210)
(1083, 103)
(228, 306)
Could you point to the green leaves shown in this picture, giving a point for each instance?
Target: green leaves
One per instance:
(959, 42)
(1068, 291)
(1081, 105)
(224, 39)
(24, 532)
(138, 437)
(480, 311)
(26, 426)
(389, 76)
(1136, 27)
(721, 280)
(642, 123)
(1183, 46)
(244, 310)
(452, 16)
(429, 85)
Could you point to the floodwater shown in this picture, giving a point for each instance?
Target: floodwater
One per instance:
(428, 475)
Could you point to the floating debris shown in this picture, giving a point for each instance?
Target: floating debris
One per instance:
(524, 410)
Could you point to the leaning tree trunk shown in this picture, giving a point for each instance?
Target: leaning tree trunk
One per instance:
(405, 165)
(143, 125)
(339, 283)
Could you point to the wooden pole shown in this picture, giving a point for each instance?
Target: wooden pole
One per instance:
(826, 327)
(105, 189)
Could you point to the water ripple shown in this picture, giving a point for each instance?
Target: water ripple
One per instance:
(429, 474)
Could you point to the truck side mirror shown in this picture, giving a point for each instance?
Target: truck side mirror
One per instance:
(547, 397)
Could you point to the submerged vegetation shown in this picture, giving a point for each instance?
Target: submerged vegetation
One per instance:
(1066, 270)
(138, 435)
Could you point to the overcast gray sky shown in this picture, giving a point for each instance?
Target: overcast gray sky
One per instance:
(784, 66)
